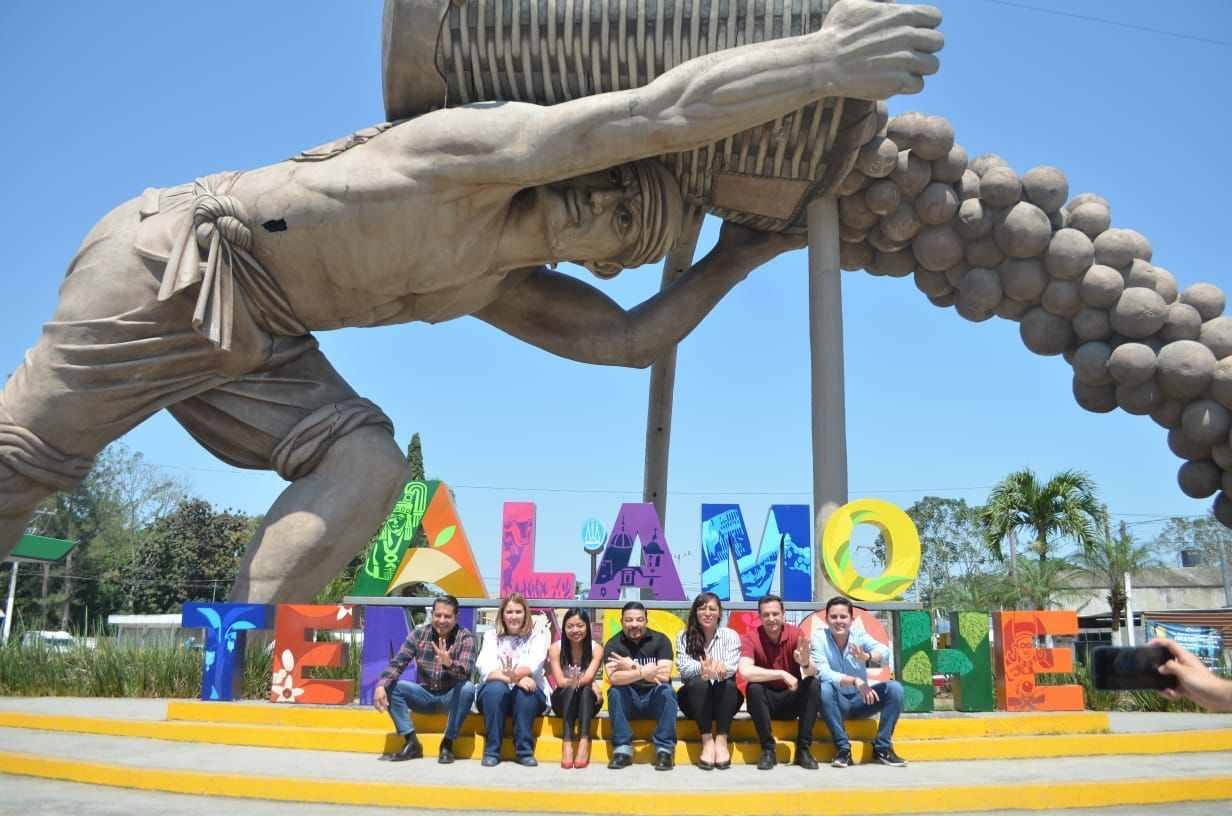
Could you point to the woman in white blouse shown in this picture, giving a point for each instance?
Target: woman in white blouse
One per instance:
(510, 664)
(706, 658)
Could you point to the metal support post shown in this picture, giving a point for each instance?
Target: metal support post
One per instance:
(826, 351)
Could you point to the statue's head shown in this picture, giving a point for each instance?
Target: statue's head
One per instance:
(616, 219)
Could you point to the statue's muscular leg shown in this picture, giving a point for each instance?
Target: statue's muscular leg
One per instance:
(322, 520)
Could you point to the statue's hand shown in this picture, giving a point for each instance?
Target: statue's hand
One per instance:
(875, 50)
(756, 246)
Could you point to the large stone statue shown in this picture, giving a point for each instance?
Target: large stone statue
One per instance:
(201, 298)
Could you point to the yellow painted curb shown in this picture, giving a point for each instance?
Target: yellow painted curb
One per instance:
(1035, 796)
(375, 741)
(1032, 747)
(264, 736)
(1080, 722)
(370, 741)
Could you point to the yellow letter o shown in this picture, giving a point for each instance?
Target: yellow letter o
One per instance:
(902, 550)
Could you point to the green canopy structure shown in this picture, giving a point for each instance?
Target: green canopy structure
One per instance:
(31, 549)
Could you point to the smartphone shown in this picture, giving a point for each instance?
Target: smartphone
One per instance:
(1125, 668)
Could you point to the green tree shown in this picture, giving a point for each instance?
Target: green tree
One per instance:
(1203, 533)
(107, 514)
(1065, 507)
(1109, 560)
(951, 546)
(191, 554)
(976, 592)
(415, 460)
(1038, 583)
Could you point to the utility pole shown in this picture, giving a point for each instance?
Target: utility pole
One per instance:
(8, 605)
(1223, 572)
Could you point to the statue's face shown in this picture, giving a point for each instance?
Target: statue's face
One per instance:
(593, 218)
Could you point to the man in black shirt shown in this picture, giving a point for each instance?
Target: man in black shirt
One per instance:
(639, 669)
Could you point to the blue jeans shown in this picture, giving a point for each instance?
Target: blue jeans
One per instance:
(406, 697)
(658, 703)
(838, 705)
(497, 700)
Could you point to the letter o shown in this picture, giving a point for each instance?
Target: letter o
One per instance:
(902, 550)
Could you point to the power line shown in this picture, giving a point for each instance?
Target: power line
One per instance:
(1118, 23)
(630, 491)
(601, 491)
(712, 492)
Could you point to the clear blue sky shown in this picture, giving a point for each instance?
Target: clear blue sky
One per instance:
(103, 100)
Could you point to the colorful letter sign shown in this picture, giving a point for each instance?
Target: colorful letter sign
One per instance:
(387, 550)
(1019, 660)
(518, 558)
(918, 661)
(787, 531)
(226, 626)
(447, 561)
(657, 571)
(902, 550)
(385, 630)
(973, 689)
(294, 651)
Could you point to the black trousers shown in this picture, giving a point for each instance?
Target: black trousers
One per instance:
(767, 703)
(710, 704)
(576, 706)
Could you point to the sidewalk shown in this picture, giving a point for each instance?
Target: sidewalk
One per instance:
(358, 779)
(25, 795)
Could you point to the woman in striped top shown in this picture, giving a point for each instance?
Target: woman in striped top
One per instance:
(706, 658)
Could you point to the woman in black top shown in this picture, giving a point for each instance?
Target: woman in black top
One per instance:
(574, 661)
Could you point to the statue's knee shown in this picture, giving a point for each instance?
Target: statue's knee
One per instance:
(31, 470)
(370, 459)
(345, 440)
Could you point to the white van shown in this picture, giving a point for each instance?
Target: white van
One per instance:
(56, 641)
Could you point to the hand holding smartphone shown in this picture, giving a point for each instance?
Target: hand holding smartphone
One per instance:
(1128, 668)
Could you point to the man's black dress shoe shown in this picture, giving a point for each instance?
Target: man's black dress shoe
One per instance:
(768, 759)
(664, 761)
(620, 761)
(411, 750)
(446, 756)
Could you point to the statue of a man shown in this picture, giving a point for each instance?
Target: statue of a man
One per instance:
(201, 298)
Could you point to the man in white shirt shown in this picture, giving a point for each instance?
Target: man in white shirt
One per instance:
(842, 657)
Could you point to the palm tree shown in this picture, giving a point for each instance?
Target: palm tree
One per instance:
(1109, 560)
(1039, 583)
(977, 592)
(1066, 506)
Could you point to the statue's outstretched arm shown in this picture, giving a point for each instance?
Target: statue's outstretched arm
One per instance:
(573, 319)
(864, 50)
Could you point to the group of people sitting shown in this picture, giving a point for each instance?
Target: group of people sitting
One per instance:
(785, 675)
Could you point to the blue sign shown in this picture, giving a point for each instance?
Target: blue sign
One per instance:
(594, 536)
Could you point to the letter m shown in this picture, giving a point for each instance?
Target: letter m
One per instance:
(788, 532)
